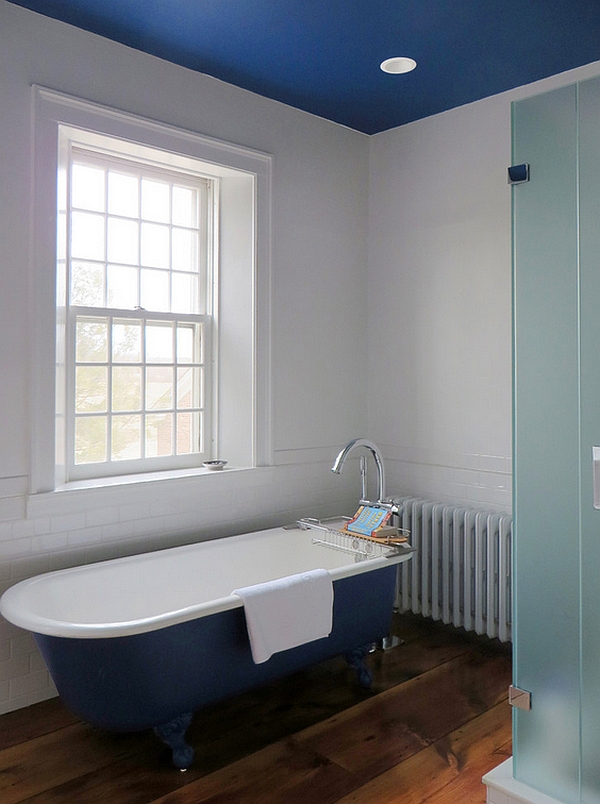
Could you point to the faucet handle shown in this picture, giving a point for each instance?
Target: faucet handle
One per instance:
(390, 505)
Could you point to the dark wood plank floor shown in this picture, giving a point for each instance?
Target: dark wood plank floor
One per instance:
(434, 722)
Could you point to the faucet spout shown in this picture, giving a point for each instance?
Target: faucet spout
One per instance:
(376, 453)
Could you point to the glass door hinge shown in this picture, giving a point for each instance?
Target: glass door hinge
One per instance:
(518, 174)
(519, 698)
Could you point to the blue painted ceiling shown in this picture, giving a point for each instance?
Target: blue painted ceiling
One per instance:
(323, 56)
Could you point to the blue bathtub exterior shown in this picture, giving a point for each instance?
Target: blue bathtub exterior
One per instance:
(142, 681)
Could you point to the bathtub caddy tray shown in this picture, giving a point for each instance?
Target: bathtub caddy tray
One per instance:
(331, 533)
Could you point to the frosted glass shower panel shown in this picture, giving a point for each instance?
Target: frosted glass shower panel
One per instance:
(589, 224)
(546, 444)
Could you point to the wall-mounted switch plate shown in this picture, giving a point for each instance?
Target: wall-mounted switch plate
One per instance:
(519, 698)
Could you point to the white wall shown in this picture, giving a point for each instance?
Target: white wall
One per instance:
(440, 300)
(318, 327)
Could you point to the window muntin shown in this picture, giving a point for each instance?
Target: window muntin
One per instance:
(138, 381)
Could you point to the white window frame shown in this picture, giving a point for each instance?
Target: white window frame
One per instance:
(74, 146)
(243, 394)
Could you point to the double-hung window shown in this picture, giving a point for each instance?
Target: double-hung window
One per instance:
(151, 260)
(139, 268)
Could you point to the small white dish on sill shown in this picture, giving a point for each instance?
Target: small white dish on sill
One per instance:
(214, 466)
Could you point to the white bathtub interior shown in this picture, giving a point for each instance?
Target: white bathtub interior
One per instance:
(152, 590)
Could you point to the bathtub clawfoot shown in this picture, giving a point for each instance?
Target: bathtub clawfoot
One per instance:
(356, 659)
(173, 734)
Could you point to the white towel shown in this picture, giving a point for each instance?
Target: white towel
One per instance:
(287, 612)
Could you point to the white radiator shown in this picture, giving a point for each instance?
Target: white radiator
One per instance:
(461, 571)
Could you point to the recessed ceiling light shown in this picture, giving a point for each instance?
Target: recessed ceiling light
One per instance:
(397, 65)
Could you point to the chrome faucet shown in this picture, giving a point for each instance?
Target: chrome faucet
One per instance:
(374, 449)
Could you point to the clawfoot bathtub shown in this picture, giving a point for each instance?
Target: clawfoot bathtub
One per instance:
(144, 641)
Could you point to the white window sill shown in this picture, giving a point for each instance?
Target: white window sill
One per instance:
(82, 495)
(142, 477)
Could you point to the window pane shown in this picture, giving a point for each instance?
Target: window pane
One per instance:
(91, 389)
(122, 286)
(92, 340)
(183, 293)
(188, 433)
(126, 388)
(90, 439)
(187, 344)
(184, 206)
(123, 195)
(87, 284)
(159, 343)
(123, 241)
(155, 290)
(87, 187)
(184, 250)
(159, 434)
(159, 388)
(189, 389)
(155, 245)
(155, 201)
(127, 341)
(126, 438)
(87, 236)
